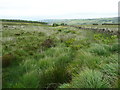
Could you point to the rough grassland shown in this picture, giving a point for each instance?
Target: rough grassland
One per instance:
(41, 56)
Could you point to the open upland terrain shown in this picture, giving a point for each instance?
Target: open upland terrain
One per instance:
(37, 55)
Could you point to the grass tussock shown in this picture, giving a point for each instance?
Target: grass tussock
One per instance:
(88, 79)
(99, 49)
(52, 77)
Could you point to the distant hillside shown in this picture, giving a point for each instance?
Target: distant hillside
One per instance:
(113, 20)
(22, 21)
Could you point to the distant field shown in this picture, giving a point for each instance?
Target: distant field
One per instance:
(113, 20)
(36, 55)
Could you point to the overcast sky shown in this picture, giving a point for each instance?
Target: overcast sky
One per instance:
(57, 9)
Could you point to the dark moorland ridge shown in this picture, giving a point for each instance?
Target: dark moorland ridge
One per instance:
(22, 21)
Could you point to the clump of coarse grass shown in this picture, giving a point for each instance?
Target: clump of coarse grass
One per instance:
(28, 65)
(30, 80)
(116, 83)
(110, 72)
(63, 60)
(115, 48)
(38, 56)
(110, 69)
(54, 51)
(85, 59)
(20, 52)
(45, 63)
(99, 49)
(113, 58)
(53, 76)
(54, 68)
(58, 51)
(88, 79)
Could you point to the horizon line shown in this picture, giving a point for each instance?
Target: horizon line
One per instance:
(54, 18)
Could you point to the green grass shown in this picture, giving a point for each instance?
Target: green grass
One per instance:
(41, 56)
(99, 49)
(88, 79)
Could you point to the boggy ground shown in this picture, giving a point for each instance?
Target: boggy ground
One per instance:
(41, 56)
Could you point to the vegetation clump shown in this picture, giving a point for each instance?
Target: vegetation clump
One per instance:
(55, 24)
(88, 79)
(7, 60)
(48, 43)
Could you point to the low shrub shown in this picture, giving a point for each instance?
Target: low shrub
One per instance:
(55, 24)
(48, 43)
(59, 30)
(69, 42)
(105, 38)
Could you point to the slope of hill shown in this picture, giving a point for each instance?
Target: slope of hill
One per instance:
(113, 20)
